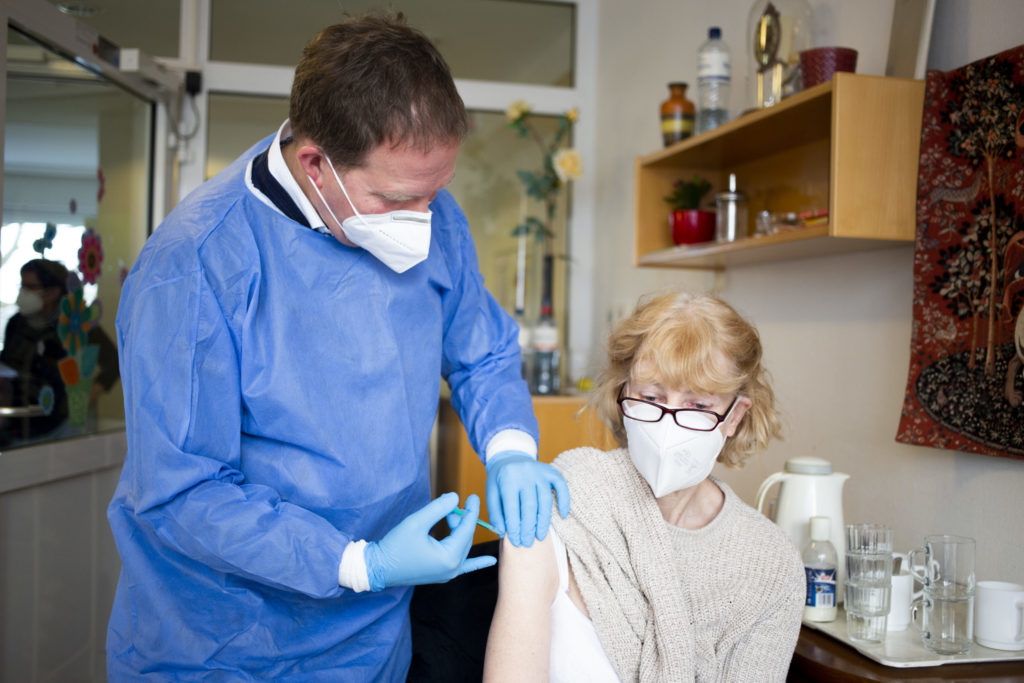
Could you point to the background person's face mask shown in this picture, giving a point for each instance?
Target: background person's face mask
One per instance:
(29, 302)
(399, 239)
(671, 457)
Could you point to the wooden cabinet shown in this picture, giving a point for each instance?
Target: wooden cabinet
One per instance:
(562, 427)
(849, 146)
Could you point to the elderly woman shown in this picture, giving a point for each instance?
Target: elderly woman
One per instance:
(660, 572)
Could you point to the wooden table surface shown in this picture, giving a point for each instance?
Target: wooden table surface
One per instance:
(821, 658)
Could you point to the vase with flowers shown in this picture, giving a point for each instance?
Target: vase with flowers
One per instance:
(541, 187)
(689, 223)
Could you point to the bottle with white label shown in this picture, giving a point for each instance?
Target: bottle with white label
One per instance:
(545, 340)
(820, 563)
(714, 67)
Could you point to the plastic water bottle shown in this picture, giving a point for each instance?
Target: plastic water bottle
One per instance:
(820, 564)
(714, 67)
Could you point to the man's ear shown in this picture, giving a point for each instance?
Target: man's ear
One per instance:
(313, 163)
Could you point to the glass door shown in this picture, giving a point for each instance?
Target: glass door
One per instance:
(77, 179)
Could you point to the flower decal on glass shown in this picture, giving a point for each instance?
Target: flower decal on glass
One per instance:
(46, 399)
(75, 320)
(90, 256)
(46, 241)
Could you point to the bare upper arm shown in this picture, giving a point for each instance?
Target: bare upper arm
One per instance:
(519, 643)
(528, 573)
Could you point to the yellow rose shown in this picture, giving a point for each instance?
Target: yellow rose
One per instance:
(568, 164)
(516, 111)
(572, 115)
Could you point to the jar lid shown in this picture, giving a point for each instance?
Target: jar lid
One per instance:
(808, 465)
(732, 194)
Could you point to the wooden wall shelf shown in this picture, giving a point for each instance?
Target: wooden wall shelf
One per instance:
(849, 146)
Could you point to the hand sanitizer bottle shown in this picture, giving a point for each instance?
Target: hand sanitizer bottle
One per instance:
(820, 562)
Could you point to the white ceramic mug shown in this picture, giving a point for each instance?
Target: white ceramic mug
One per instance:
(902, 595)
(999, 618)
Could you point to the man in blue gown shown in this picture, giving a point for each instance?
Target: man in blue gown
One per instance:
(283, 336)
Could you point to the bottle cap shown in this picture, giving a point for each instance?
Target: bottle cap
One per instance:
(821, 527)
(714, 33)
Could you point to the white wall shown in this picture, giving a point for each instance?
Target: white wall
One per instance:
(836, 330)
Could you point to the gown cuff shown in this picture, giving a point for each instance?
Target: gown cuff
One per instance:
(352, 572)
(511, 440)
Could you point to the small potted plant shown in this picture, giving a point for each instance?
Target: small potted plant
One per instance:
(690, 224)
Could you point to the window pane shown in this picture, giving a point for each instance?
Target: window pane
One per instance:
(150, 25)
(490, 193)
(236, 123)
(76, 158)
(493, 40)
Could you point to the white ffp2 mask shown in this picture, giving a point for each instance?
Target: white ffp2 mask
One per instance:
(399, 239)
(670, 457)
(29, 303)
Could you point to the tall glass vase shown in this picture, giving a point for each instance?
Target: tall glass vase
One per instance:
(539, 288)
(520, 315)
(526, 307)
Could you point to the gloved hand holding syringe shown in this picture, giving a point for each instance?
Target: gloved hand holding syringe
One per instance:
(408, 555)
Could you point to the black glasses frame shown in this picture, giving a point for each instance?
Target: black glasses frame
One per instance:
(719, 419)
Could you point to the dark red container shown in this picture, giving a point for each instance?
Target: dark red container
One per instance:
(819, 64)
(692, 226)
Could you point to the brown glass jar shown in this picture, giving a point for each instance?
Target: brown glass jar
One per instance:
(678, 118)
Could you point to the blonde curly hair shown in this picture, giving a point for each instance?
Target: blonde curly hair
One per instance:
(682, 339)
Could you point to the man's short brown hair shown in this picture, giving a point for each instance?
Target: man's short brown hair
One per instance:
(372, 80)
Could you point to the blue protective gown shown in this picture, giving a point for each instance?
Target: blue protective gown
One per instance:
(280, 389)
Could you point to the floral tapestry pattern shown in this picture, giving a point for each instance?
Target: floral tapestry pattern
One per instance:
(965, 386)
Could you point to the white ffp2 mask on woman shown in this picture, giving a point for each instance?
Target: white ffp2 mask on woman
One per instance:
(670, 457)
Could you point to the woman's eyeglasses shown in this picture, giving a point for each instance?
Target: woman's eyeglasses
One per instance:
(688, 418)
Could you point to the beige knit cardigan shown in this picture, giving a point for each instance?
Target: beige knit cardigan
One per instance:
(719, 603)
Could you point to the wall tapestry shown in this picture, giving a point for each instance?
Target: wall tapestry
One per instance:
(965, 387)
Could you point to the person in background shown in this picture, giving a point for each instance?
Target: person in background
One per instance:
(32, 350)
(660, 572)
(283, 335)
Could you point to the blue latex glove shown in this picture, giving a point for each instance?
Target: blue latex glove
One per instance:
(519, 496)
(409, 556)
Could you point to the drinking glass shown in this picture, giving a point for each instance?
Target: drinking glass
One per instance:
(868, 581)
(947, 606)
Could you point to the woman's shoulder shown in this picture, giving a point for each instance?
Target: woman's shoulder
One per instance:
(587, 460)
